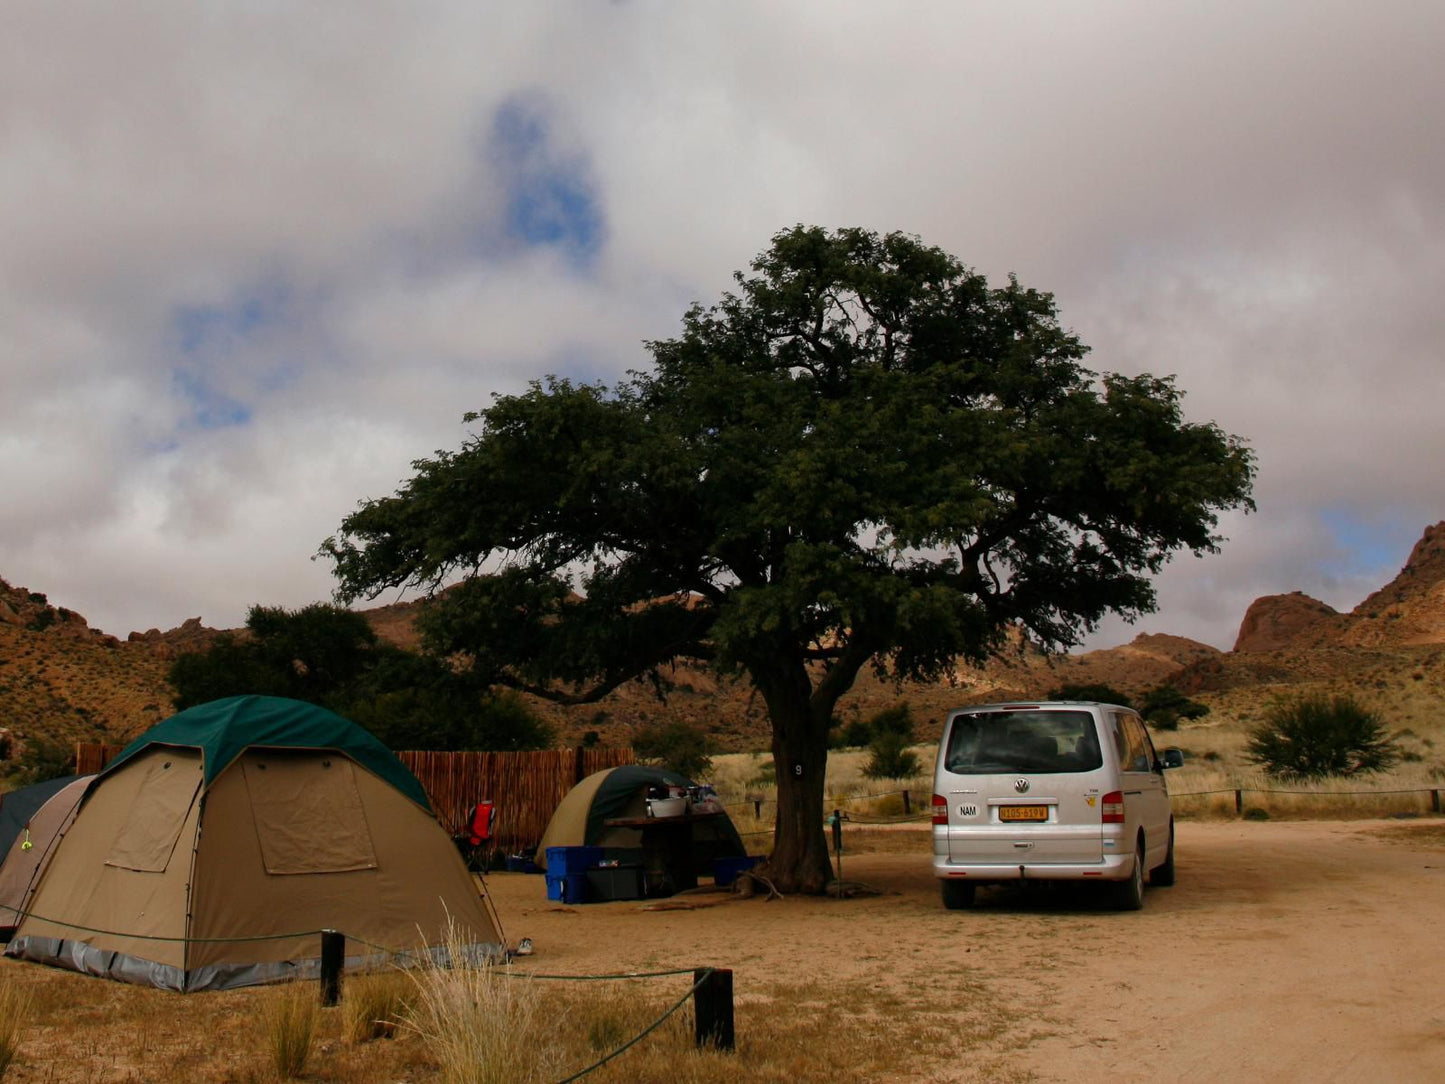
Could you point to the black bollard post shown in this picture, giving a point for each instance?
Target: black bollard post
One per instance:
(333, 957)
(713, 1001)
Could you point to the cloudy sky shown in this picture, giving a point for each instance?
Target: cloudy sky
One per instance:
(256, 258)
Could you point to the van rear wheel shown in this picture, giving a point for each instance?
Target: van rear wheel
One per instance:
(957, 895)
(1129, 893)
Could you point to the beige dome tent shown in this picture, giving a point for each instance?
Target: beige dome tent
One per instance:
(215, 848)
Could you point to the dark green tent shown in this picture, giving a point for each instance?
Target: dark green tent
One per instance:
(588, 816)
(223, 729)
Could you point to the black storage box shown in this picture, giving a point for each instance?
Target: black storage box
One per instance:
(615, 883)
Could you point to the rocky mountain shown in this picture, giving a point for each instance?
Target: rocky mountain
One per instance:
(61, 680)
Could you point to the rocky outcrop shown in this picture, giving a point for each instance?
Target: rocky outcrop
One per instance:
(1278, 621)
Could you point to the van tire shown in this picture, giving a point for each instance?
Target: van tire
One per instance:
(1162, 876)
(1129, 893)
(957, 895)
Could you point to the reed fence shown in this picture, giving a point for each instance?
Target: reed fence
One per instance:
(526, 787)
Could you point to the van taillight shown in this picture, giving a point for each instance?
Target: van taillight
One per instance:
(1113, 806)
(940, 809)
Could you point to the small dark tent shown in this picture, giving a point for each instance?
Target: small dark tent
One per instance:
(620, 794)
(32, 843)
(18, 806)
(216, 847)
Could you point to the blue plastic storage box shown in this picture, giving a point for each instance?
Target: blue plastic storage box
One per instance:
(569, 888)
(564, 860)
(725, 870)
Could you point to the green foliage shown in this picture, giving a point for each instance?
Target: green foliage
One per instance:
(856, 733)
(865, 456)
(676, 745)
(1164, 706)
(331, 656)
(43, 759)
(1314, 737)
(309, 654)
(1104, 694)
(890, 757)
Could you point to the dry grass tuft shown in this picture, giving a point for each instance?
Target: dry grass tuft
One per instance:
(481, 1023)
(16, 1005)
(374, 1006)
(291, 1016)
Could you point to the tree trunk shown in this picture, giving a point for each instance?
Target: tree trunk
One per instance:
(799, 862)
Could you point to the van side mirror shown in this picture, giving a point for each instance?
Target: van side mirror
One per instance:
(1173, 758)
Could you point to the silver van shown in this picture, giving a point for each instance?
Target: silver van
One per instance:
(1051, 791)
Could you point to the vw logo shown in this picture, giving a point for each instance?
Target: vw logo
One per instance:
(1021, 785)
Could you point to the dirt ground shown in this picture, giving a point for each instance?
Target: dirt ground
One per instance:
(1287, 951)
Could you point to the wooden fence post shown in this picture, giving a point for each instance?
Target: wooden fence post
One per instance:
(713, 1002)
(333, 958)
(1435, 801)
(907, 809)
(1238, 802)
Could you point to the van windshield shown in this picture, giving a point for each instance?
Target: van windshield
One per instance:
(1023, 741)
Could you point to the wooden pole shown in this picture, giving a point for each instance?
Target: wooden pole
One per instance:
(1435, 801)
(1238, 802)
(907, 807)
(333, 958)
(713, 1001)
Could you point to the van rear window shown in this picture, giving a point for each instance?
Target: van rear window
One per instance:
(1023, 741)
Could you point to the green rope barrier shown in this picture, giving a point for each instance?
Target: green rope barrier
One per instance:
(707, 974)
(19, 914)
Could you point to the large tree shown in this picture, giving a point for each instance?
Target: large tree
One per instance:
(866, 456)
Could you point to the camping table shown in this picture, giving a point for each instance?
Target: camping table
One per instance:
(667, 848)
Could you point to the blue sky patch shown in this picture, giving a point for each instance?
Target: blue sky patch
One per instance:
(210, 408)
(215, 343)
(1375, 541)
(551, 198)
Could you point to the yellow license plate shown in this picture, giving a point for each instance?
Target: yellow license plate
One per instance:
(1023, 812)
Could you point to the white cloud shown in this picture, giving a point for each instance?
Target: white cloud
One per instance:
(1245, 196)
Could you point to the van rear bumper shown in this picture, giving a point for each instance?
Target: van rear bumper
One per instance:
(1114, 867)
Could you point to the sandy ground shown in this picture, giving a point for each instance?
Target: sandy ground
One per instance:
(1287, 951)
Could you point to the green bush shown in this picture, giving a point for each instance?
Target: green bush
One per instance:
(678, 746)
(863, 732)
(1106, 694)
(891, 758)
(853, 734)
(1314, 737)
(1164, 706)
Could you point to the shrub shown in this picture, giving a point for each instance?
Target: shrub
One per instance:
(677, 746)
(1105, 693)
(858, 733)
(853, 734)
(1314, 737)
(891, 758)
(1164, 706)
